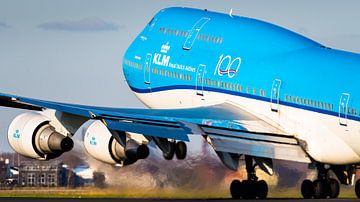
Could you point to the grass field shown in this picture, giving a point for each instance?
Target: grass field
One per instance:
(115, 192)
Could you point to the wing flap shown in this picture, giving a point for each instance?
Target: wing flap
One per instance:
(8, 101)
(251, 135)
(260, 146)
(172, 132)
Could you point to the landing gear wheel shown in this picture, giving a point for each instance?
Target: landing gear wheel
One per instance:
(334, 188)
(357, 188)
(319, 189)
(307, 189)
(143, 151)
(180, 150)
(249, 188)
(170, 153)
(262, 189)
(235, 189)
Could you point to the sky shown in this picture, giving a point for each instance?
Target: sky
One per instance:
(71, 51)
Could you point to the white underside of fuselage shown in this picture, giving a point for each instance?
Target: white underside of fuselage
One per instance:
(326, 140)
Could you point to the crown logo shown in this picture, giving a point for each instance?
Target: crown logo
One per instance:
(165, 47)
(93, 141)
(16, 134)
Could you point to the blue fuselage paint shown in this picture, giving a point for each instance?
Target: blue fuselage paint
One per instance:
(242, 57)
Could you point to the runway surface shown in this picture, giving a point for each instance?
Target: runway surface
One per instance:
(147, 200)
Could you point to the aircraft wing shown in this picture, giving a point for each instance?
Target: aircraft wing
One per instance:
(227, 127)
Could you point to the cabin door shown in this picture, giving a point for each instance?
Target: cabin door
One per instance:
(343, 108)
(147, 68)
(200, 72)
(275, 95)
(193, 33)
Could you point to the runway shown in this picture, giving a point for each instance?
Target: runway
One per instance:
(150, 200)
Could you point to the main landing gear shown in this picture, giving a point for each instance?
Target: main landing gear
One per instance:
(322, 187)
(251, 188)
(357, 188)
(171, 148)
(175, 148)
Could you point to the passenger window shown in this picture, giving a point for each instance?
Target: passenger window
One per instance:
(214, 83)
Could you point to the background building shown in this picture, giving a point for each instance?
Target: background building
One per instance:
(40, 174)
(3, 170)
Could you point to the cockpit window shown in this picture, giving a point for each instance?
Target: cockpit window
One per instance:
(151, 21)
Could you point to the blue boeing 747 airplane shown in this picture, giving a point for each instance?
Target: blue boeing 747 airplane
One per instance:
(251, 89)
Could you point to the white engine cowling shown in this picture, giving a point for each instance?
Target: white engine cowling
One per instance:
(100, 144)
(32, 135)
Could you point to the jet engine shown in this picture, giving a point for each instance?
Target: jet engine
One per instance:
(32, 135)
(101, 144)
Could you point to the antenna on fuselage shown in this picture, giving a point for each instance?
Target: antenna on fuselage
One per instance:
(230, 13)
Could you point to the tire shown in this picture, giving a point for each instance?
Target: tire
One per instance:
(357, 188)
(235, 189)
(307, 189)
(319, 189)
(180, 150)
(169, 155)
(249, 189)
(334, 188)
(143, 151)
(261, 189)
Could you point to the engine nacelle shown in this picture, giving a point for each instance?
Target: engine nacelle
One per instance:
(100, 144)
(32, 135)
